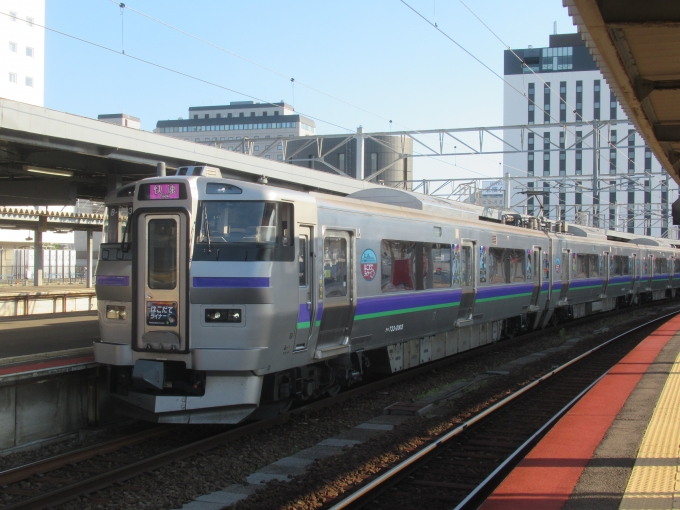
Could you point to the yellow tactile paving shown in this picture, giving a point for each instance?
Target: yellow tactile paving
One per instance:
(655, 480)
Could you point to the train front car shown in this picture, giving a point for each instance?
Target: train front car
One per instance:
(214, 305)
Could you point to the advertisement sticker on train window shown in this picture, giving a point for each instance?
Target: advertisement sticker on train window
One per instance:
(161, 313)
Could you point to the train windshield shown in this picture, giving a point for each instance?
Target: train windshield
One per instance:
(116, 222)
(239, 222)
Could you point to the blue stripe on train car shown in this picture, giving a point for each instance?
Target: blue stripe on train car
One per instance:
(487, 294)
(113, 281)
(394, 304)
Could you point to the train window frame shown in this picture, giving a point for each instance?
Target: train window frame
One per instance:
(220, 188)
(658, 267)
(619, 265)
(431, 274)
(335, 267)
(303, 262)
(511, 260)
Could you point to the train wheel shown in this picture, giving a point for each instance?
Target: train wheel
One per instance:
(333, 390)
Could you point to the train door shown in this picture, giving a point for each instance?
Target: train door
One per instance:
(537, 277)
(566, 274)
(161, 267)
(467, 282)
(607, 272)
(338, 298)
(307, 310)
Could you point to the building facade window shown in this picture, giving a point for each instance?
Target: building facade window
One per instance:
(578, 112)
(530, 201)
(612, 205)
(563, 155)
(648, 159)
(578, 154)
(530, 154)
(29, 21)
(546, 199)
(29, 81)
(563, 101)
(613, 106)
(531, 103)
(546, 103)
(12, 47)
(12, 77)
(612, 152)
(29, 51)
(546, 153)
(12, 15)
(631, 151)
(596, 100)
(648, 207)
(563, 203)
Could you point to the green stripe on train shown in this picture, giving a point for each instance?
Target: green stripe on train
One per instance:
(405, 310)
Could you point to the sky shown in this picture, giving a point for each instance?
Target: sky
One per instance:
(355, 63)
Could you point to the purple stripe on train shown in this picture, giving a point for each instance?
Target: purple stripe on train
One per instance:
(231, 282)
(502, 291)
(113, 281)
(388, 303)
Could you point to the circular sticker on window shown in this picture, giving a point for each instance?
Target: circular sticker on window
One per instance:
(369, 265)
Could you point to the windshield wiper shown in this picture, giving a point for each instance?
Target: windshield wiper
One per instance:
(122, 242)
(206, 226)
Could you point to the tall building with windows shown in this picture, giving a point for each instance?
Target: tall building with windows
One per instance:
(22, 51)
(568, 111)
(244, 126)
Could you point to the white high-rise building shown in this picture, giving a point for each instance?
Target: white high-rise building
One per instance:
(561, 86)
(22, 51)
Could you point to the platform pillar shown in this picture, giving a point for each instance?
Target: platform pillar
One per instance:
(89, 259)
(37, 258)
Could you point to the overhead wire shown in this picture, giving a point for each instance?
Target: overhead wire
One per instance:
(293, 80)
(545, 84)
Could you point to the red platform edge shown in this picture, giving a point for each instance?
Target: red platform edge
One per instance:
(53, 363)
(546, 477)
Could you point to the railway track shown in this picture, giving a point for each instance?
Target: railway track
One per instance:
(60, 479)
(461, 467)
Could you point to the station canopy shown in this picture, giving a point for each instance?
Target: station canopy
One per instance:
(636, 44)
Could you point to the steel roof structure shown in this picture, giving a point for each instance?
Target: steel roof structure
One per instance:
(637, 47)
(49, 157)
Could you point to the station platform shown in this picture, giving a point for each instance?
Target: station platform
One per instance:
(618, 447)
(20, 301)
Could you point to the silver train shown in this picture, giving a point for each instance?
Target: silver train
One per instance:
(221, 300)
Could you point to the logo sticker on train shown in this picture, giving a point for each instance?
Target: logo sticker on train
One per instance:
(161, 313)
(369, 265)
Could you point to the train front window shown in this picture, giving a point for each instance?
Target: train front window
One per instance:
(116, 222)
(239, 222)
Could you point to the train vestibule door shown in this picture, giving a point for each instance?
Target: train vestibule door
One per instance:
(307, 309)
(160, 268)
(337, 289)
(467, 282)
(565, 268)
(537, 277)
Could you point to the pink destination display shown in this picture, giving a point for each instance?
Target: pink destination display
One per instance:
(164, 191)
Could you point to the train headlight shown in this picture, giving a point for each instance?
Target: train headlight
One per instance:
(222, 315)
(116, 312)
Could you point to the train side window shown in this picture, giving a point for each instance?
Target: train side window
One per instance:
(619, 266)
(676, 266)
(397, 265)
(660, 265)
(581, 266)
(334, 267)
(441, 257)
(506, 265)
(302, 261)
(593, 266)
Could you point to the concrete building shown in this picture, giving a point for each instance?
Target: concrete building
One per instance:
(568, 88)
(22, 51)
(244, 126)
(120, 119)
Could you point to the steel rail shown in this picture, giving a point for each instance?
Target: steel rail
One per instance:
(396, 470)
(58, 461)
(120, 474)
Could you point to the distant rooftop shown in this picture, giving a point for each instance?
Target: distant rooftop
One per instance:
(240, 104)
(117, 116)
(564, 40)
